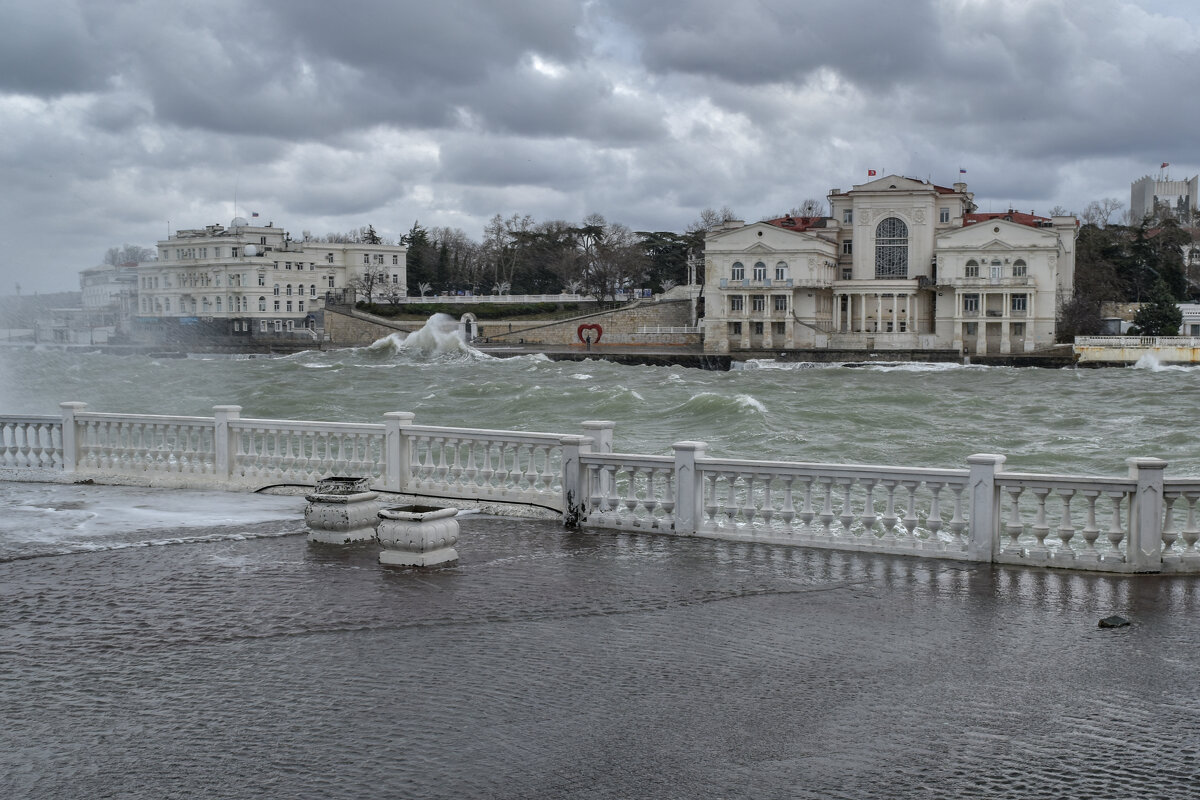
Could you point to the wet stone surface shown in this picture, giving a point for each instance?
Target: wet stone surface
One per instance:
(554, 665)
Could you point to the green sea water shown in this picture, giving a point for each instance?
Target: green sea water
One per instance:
(1079, 421)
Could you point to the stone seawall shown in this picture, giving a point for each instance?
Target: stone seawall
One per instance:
(351, 330)
(618, 326)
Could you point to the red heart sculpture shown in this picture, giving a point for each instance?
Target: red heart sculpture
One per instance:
(599, 332)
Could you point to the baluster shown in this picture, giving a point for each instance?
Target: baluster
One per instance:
(1040, 529)
(788, 512)
(631, 501)
(847, 517)
(747, 507)
(710, 507)
(1191, 534)
(767, 512)
(826, 515)
(731, 504)
(1116, 533)
(1066, 528)
(531, 473)
(1090, 532)
(1169, 534)
(958, 523)
(933, 523)
(1014, 528)
(807, 513)
(910, 520)
(667, 501)
(869, 518)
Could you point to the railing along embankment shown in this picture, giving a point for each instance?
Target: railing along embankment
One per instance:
(1141, 522)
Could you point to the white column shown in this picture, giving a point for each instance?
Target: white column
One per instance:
(984, 498)
(689, 487)
(224, 452)
(70, 440)
(398, 457)
(1144, 552)
(574, 481)
(878, 312)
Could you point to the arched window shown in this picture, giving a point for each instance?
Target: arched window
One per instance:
(781, 271)
(262, 304)
(289, 290)
(891, 249)
(1019, 268)
(739, 271)
(760, 271)
(972, 270)
(218, 304)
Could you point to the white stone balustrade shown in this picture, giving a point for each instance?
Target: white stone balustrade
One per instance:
(474, 463)
(288, 451)
(143, 445)
(31, 442)
(1142, 522)
(869, 508)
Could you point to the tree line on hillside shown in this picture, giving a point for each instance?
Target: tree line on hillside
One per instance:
(519, 255)
(1144, 261)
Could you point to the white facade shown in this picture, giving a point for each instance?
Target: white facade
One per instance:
(256, 275)
(900, 264)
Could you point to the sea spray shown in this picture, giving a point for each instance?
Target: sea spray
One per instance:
(438, 338)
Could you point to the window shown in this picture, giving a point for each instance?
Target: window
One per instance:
(366, 258)
(736, 302)
(735, 329)
(329, 279)
(891, 249)
(278, 325)
(972, 270)
(167, 304)
(847, 216)
(739, 272)
(760, 302)
(299, 305)
(289, 290)
(970, 303)
(291, 324)
(379, 259)
(395, 261)
(997, 269)
(760, 271)
(262, 279)
(262, 325)
(312, 290)
(218, 305)
(329, 258)
(1019, 302)
(262, 304)
(778, 328)
(289, 305)
(275, 265)
(1019, 268)
(277, 290)
(276, 305)
(287, 265)
(758, 329)
(233, 251)
(847, 273)
(780, 301)
(781, 271)
(848, 247)
(971, 329)
(216, 252)
(1017, 330)
(944, 215)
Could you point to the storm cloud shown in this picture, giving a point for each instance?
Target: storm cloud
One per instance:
(123, 119)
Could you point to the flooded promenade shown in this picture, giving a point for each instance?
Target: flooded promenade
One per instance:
(149, 653)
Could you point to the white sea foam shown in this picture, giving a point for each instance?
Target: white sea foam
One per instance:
(438, 338)
(1151, 363)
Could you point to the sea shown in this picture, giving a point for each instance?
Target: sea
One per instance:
(159, 644)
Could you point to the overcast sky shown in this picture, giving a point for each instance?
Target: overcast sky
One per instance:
(121, 119)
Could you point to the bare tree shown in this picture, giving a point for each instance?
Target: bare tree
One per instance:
(368, 282)
(1059, 211)
(1099, 213)
(812, 207)
(129, 254)
(711, 219)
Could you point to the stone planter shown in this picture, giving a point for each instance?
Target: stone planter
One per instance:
(418, 536)
(341, 511)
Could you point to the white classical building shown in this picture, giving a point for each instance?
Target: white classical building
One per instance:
(901, 264)
(252, 277)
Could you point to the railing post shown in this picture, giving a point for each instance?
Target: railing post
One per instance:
(601, 433)
(70, 442)
(574, 478)
(689, 487)
(1146, 514)
(224, 454)
(397, 459)
(984, 499)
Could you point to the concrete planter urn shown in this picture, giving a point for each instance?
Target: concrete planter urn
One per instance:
(342, 511)
(418, 536)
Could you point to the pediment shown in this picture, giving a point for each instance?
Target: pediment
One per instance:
(759, 247)
(998, 235)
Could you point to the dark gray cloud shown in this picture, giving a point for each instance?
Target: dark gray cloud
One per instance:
(119, 115)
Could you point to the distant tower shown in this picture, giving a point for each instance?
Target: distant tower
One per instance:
(1159, 196)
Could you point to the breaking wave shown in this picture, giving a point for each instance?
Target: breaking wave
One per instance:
(438, 339)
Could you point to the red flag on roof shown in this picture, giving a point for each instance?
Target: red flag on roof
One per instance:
(1165, 165)
(255, 214)
(870, 173)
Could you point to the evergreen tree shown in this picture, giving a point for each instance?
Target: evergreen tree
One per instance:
(1160, 316)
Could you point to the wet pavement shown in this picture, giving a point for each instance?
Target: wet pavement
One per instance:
(239, 661)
